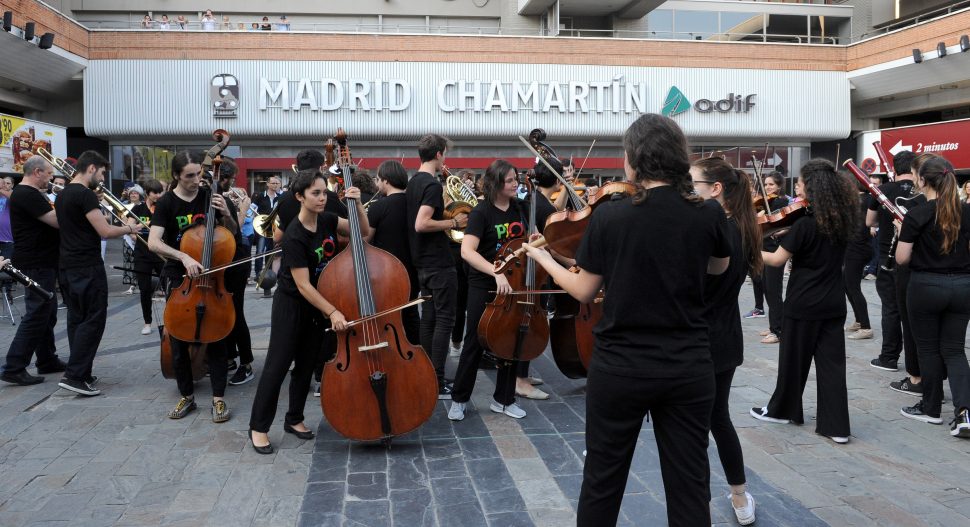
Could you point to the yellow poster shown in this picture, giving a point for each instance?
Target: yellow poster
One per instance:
(22, 138)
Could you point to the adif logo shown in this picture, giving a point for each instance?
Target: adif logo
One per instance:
(677, 103)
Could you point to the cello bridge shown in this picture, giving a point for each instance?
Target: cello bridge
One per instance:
(523, 303)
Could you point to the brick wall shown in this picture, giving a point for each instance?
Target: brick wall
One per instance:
(900, 44)
(68, 34)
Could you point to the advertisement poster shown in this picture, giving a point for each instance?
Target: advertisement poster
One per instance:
(21, 138)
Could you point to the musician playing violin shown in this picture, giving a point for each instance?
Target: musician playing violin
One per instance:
(300, 313)
(175, 212)
(652, 253)
(815, 303)
(770, 284)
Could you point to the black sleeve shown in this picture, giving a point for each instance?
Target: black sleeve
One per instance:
(334, 205)
(89, 202)
(873, 203)
(375, 214)
(722, 236)
(289, 208)
(590, 255)
(294, 253)
(913, 223)
(162, 213)
(796, 238)
(432, 196)
(330, 221)
(476, 223)
(33, 203)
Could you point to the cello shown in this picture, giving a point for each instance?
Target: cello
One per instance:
(515, 327)
(200, 310)
(378, 385)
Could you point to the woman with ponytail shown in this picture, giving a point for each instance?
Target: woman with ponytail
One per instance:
(815, 303)
(650, 254)
(715, 179)
(935, 241)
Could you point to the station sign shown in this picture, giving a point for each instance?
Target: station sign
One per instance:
(950, 139)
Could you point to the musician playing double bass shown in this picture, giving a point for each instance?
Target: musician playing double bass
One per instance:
(182, 208)
(300, 312)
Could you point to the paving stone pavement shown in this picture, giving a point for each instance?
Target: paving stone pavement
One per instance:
(117, 460)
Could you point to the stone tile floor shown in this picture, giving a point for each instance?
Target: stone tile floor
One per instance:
(117, 460)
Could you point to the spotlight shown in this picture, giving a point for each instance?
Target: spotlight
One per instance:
(46, 41)
(29, 31)
(917, 55)
(7, 20)
(964, 43)
(941, 49)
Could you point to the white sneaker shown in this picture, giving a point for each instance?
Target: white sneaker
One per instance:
(130, 291)
(761, 414)
(584, 453)
(147, 330)
(512, 410)
(839, 439)
(457, 411)
(860, 334)
(745, 515)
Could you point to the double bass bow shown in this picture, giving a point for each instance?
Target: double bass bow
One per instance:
(378, 385)
(200, 310)
(515, 327)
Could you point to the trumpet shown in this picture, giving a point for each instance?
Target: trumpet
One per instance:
(265, 224)
(463, 200)
(235, 194)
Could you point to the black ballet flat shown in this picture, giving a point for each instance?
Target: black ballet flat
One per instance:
(302, 435)
(268, 449)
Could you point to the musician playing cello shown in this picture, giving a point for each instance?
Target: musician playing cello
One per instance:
(175, 212)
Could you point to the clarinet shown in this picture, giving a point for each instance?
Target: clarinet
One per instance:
(26, 280)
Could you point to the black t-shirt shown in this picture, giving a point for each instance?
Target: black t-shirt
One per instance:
(80, 243)
(36, 244)
(920, 229)
(892, 190)
(305, 249)
(494, 227)
(388, 217)
(428, 249)
(860, 246)
(289, 208)
(176, 215)
(544, 208)
(653, 258)
(815, 288)
(723, 313)
(142, 254)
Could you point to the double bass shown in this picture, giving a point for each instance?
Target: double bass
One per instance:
(564, 229)
(378, 385)
(515, 327)
(200, 310)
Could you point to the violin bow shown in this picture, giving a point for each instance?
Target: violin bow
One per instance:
(544, 162)
(419, 300)
(236, 262)
(761, 181)
(588, 152)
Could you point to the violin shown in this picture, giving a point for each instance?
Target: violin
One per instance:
(378, 385)
(783, 218)
(200, 310)
(610, 191)
(515, 327)
(564, 229)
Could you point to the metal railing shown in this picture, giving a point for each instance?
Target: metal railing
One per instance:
(922, 17)
(415, 29)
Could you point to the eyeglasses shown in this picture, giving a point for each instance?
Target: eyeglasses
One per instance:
(703, 181)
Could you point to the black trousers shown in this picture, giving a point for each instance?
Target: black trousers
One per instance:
(462, 304)
(773, 280)
(239, 343)
(615, 408)
(896, 331)
(726, 437)
(36, 330)
(852, 273)
(294, 338)
(757, 282)
(215, 354)
(939, 307)
(801, 342)
(147, 283)
(86, 296)
(471, 356)
(438, 315)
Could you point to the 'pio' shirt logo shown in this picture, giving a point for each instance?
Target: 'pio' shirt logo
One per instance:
(328, 248)
(507, 231)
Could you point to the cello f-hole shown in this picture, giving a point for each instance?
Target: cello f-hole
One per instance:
(342, 366)
(389, 328)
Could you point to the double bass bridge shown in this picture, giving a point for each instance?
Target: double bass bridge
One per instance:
(372, 347)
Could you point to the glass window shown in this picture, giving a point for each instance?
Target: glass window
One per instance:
(695, 25)
(740, 24)
(660, 23)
